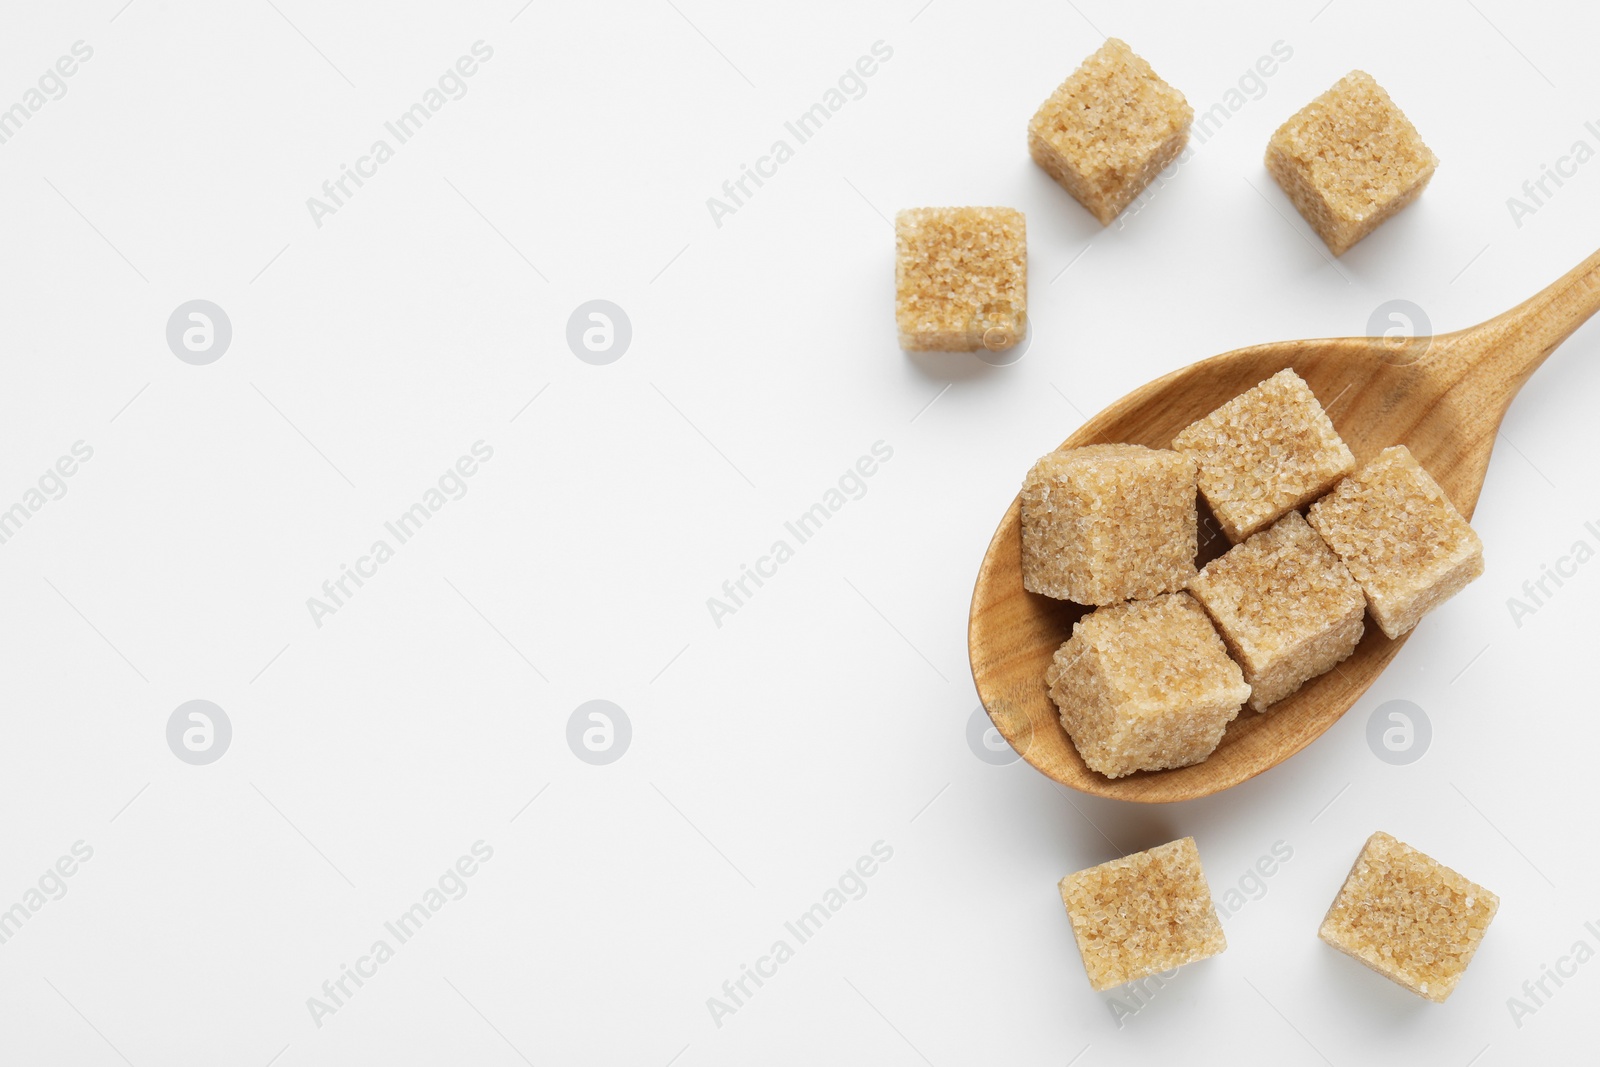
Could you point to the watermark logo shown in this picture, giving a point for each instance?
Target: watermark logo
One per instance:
(999, 346)
(598, 732)
(1398, 732)
(599, 332)
(199, 732)
(199, 332)
(1400, 332)
(986, 741)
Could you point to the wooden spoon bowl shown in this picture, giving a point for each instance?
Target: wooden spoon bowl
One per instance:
(1442, 396)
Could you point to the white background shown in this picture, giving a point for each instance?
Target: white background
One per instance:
(831, 711)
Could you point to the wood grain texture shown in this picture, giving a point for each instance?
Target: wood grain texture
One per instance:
(1443, 397)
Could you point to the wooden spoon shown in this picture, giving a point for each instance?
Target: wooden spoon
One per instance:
(1443, 397)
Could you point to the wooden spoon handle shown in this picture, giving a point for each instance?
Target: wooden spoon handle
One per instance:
(1514, 344)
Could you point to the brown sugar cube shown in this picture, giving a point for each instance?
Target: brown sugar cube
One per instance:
(1400, 537)
(961, 278)
(1145, 686)
(1142, 914)
(1267, 451)
(1106, 523)
(1285, 605)
(1349, 160)
(1109, 129)
(1409, 917)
